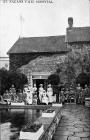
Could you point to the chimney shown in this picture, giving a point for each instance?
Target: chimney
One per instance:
(70, 22)
(69, 29)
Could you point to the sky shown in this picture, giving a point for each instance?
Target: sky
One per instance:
(39, 19)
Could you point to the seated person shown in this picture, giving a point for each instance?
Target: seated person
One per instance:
(45, 97)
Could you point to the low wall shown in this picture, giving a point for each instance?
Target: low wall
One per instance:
(50, 124)
(25, 106)
(87, 101)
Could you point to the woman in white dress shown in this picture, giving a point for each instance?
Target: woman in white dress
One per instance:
(41, 92)
(50, 93)
(25, 92)
(45, 97)
(30, 95)
(34, 89)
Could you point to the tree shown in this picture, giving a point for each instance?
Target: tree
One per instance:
(66, 70)
(54, 79)
(3, 80)
(8, 78)
(76, 62)
(17, 79)
(82, 79)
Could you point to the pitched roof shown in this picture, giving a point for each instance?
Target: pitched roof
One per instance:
(39, 44)
(44, 63)
(78, 34)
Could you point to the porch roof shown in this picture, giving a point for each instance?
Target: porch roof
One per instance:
(44, 64)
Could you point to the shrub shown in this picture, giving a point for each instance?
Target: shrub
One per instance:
(54, 79)
(83, 79)
(8, 78)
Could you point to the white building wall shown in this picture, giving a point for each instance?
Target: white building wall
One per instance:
(4, 62)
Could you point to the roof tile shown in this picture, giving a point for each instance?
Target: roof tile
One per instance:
(39, 44)
(78, 34)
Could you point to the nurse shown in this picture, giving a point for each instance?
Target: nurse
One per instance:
(34, 89)
(30, 94)
(45, 97)
(41, 90)
(25, 92)
(50, 93)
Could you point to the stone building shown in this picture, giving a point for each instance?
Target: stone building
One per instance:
(78, 42)
(38, 57)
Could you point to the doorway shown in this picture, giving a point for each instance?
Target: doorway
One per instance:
(40, 81)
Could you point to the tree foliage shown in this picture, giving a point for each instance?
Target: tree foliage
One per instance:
(83, 79)
(76, 62)
(54, 79)
(7, 78)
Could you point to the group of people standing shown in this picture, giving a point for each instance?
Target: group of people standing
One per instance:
(30, 92)
(74, 94)
(10, 95)
(46, 96)
(82, 93)
(41, 95)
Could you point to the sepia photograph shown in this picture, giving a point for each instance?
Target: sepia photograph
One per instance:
(44, 69)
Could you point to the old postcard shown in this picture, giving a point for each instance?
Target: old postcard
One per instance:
(45, 69)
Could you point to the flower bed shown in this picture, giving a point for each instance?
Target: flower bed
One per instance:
(48, 113)
(57, 104)
(87, 101)
(17, 103)
(32, 132)
(50, 124)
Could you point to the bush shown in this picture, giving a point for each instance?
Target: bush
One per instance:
(54, 79)
(3, 80)
(83, 79)
(8, 78)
